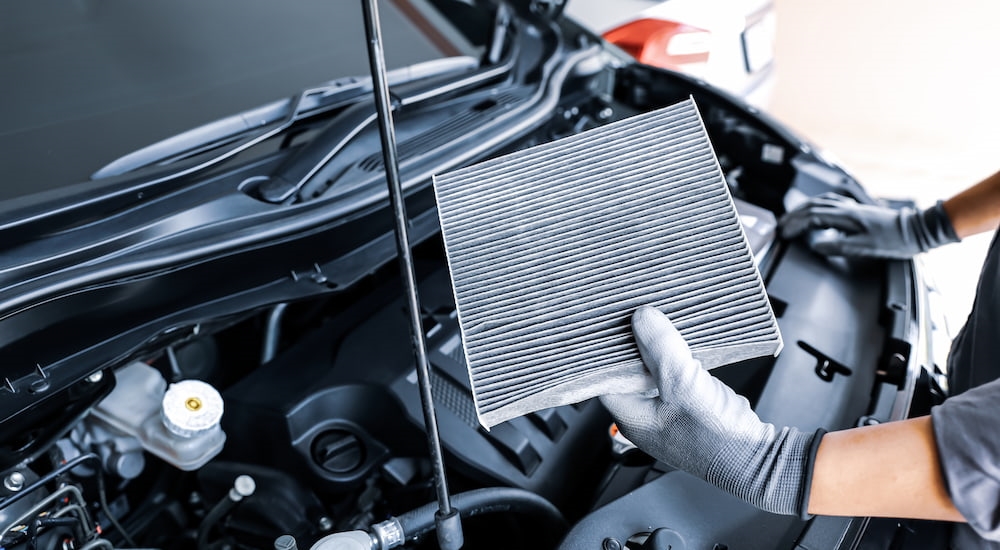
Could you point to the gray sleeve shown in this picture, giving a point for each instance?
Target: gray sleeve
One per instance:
(967, 432)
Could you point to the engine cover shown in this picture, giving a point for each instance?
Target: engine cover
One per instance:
(344, 402)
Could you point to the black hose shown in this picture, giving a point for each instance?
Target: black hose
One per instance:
(243, 488)
(220, 510)
(103, 501)
(420, 521)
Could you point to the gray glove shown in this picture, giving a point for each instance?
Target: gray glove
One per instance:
(866, 230)
(700, 425)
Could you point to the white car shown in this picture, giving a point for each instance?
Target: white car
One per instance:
(727, 43)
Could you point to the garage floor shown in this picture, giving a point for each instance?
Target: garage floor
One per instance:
(904, 93)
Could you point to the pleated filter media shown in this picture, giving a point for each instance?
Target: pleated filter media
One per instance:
(552, 248)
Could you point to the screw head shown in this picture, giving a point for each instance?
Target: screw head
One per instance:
(611, 544)
(14, 482)
(96, 377)
(325, 523)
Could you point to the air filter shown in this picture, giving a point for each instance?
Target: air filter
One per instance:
(552, 248)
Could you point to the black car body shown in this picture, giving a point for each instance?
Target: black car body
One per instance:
(257, 255)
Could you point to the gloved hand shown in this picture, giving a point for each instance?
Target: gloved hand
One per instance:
(700, 425)
(866, 230)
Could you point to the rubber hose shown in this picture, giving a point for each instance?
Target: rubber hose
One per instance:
(420, 521)
(217, 512)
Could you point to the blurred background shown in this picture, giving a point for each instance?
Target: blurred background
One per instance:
(902, 92)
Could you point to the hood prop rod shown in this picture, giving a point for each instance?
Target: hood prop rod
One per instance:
(447, 520)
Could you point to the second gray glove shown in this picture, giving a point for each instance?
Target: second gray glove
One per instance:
(700, 425)
(867, 230)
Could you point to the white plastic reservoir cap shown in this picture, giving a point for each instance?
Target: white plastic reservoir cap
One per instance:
(191, 407)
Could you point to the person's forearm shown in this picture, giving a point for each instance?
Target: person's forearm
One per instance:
(887, 470)
(977, 209)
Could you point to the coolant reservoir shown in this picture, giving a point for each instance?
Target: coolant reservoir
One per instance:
(180, 424)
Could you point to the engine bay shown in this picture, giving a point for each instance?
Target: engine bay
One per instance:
(330, 430)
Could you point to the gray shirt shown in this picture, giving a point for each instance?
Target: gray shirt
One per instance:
(967, 425)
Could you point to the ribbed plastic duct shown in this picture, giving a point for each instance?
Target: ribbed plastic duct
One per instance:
(552, 248)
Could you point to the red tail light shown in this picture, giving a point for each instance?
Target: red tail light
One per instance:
(662, 43)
